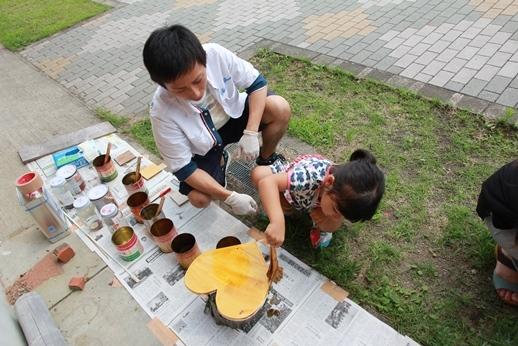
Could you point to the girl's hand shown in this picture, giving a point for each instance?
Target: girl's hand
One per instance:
(275, 234)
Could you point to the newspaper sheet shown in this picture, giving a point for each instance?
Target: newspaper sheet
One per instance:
(297, 310)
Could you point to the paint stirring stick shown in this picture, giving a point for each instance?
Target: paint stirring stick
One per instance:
(107, 155)
(159, 209)
(137, 170)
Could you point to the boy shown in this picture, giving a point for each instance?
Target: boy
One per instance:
(198, 109)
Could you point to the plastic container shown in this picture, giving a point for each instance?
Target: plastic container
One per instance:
(100, 195)
(74, 180)
(112, 216)
(86, 212)
(60, 190)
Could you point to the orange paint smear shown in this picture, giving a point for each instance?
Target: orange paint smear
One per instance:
(46, 268)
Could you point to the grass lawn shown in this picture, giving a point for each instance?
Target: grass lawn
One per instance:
(23, 22)
(424, 263)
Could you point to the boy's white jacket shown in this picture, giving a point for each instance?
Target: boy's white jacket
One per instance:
(178, 127)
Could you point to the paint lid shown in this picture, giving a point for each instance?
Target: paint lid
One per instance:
(97, 192)
(81, 202)
(109, 210)
(57, 182)
(66, 171)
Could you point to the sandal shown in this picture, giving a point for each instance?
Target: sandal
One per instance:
(498, 281)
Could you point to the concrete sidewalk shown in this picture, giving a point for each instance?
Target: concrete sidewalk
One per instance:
(468, 47)
(35, 108)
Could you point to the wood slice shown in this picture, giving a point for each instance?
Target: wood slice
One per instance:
(238, 276)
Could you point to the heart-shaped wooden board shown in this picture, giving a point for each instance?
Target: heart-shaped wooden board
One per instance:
(238, 276)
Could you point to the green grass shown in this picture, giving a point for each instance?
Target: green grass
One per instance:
(23, 22)
(423, 264)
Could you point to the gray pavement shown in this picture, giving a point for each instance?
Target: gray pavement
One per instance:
(35, 108)
(465, 46)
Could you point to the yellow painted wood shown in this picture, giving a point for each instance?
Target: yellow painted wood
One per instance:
(236, 273)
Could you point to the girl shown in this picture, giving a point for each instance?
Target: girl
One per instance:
(327, 191)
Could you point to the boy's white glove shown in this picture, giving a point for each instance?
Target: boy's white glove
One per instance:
(249, 145)
(241, 204)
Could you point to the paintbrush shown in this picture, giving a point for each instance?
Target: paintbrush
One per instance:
(163, 193)
(159, 209)
(137, 170)
(275, 272)
(107, 155)
(104, 252)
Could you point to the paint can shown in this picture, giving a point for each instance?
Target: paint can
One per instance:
(163, 232)
(147, 214)
(133, 185)
(127, 243)
(185, 248)
(228, 241)
(245, 324)
(136, 202)
(100, 195)
(74, 180)
(107, 171)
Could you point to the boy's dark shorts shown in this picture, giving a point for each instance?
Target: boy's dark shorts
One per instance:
(211, 163)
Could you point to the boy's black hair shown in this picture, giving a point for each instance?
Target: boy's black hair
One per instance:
(358, 186)
(170, 52)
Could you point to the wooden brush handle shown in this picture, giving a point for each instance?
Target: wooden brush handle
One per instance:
(160, 206)
(137, 170)
(107, 155)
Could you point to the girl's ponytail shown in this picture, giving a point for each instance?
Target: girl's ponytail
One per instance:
(362, 154)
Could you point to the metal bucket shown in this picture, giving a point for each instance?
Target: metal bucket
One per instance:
(163, 232)
(185, 248)
(127, 243)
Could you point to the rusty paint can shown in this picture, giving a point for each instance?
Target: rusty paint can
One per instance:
(163, 232)
(148, 214)
(127, 243)
(228, 241)
(107, 171)
(136, 202)
(133, 185)
(185, 248)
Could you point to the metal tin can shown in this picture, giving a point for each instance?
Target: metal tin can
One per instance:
(136, 202)
(148, 215)
(107, 171)
(127, 243)
(60, 189)
(163, 232)
(73, 178)
(185, 248)
(100, 196)
(133, 185)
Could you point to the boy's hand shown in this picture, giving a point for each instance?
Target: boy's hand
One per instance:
(241, 204)
(275, 234)
(249, 145)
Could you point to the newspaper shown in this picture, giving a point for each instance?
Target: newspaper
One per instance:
(297, 311)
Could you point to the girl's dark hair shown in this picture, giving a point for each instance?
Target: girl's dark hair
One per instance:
(170, 52)
(358, 187)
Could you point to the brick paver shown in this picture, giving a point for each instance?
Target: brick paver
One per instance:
(467, 46)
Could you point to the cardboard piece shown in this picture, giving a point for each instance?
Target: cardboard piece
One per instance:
(178, 198)
(335, 291)
(165, 335)
(151, 170)
(124, 158)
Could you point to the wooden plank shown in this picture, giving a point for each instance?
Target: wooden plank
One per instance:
(33, 152)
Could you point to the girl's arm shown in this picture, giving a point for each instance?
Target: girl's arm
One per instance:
(269, 189)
